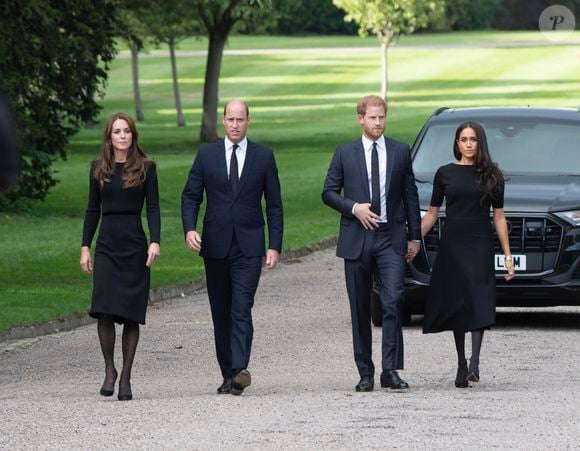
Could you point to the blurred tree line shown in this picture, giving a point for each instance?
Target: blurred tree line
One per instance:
(55, 54)
(495, 14)
(302, 17)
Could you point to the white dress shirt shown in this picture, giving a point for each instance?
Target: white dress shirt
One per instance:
(240, 154)
(382, 152)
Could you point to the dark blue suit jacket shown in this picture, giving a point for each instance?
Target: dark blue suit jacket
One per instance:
(226, 213)
(347, 183)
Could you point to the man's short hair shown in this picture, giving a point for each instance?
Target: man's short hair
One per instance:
(236, 100)
(368, 101)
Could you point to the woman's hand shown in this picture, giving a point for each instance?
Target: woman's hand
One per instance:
(86, 262)
(152, 254)
(509, 264)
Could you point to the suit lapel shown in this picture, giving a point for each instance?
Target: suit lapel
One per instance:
(359, 153)
(390, 165)
(248, 165)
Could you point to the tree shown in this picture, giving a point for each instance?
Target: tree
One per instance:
(168, 22)
(388, 19)
(218, 17)
(54, 60)
(133, 33)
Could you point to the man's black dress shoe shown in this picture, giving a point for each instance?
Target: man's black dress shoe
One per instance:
(241, 380)
(391, 379)
(366, 383)
(226, 387)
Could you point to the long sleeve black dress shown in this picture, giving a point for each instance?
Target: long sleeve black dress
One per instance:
(120, 277)
(461, 295)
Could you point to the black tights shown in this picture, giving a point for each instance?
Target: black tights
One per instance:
(476, 340)
(106, 331)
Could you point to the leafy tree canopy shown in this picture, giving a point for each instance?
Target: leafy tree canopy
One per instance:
(388, 19)
(54, 55)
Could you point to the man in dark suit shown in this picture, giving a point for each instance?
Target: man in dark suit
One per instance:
(234, 173)
(370, 182)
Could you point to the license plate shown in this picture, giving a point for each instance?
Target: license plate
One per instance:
(519, 262)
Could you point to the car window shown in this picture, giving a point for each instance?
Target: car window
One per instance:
(523, 146)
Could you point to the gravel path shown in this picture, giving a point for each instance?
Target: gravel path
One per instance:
(302, 395)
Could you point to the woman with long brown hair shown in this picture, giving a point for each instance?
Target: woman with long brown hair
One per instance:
(120, 182)
(461, 295)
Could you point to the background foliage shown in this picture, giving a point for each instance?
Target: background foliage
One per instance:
(55, 57)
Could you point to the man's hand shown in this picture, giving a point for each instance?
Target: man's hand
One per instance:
(272, 258)
(367, 218)
(412, 250)
(193, 240)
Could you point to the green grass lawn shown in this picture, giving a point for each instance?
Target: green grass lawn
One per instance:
(301, 105)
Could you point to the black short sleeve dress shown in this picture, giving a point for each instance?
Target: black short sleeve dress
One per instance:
(461, 295)
(120, 277)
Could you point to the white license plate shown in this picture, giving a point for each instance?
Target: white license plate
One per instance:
(519, 262)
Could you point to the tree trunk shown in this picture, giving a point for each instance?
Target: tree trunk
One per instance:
(136, 91)
(178, 108)
(208, 131)
(384, 70)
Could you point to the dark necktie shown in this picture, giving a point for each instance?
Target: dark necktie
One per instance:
(375, 182)
(234, 178)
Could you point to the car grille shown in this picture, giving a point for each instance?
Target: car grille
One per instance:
(526, 235)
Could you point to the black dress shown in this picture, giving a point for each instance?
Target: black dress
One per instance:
(461, 295)
(120, 277)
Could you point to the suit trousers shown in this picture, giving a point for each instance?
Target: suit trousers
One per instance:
(231, 285)
(377, 256)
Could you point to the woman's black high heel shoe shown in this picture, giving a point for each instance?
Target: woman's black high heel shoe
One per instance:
(461, 377)
(108, 389)
(125, 393)
(473, 375)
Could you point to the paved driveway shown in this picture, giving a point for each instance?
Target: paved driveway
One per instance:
(304, 376)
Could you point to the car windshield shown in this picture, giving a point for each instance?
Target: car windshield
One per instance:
(518, 146)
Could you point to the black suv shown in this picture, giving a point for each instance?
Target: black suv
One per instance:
(538, 149)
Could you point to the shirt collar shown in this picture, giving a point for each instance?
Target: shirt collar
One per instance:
(242, 145)
(368, 144)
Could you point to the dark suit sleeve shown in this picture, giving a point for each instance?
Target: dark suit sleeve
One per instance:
(192, 195)
(411, 200)
(274, 210)
(333, 186)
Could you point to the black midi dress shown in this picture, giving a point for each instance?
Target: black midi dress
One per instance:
(120, 276)
(461, 296)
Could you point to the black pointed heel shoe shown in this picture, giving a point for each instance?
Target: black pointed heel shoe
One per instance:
(125, 393)
(473, 372)
(461, 377)
(108, 389)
